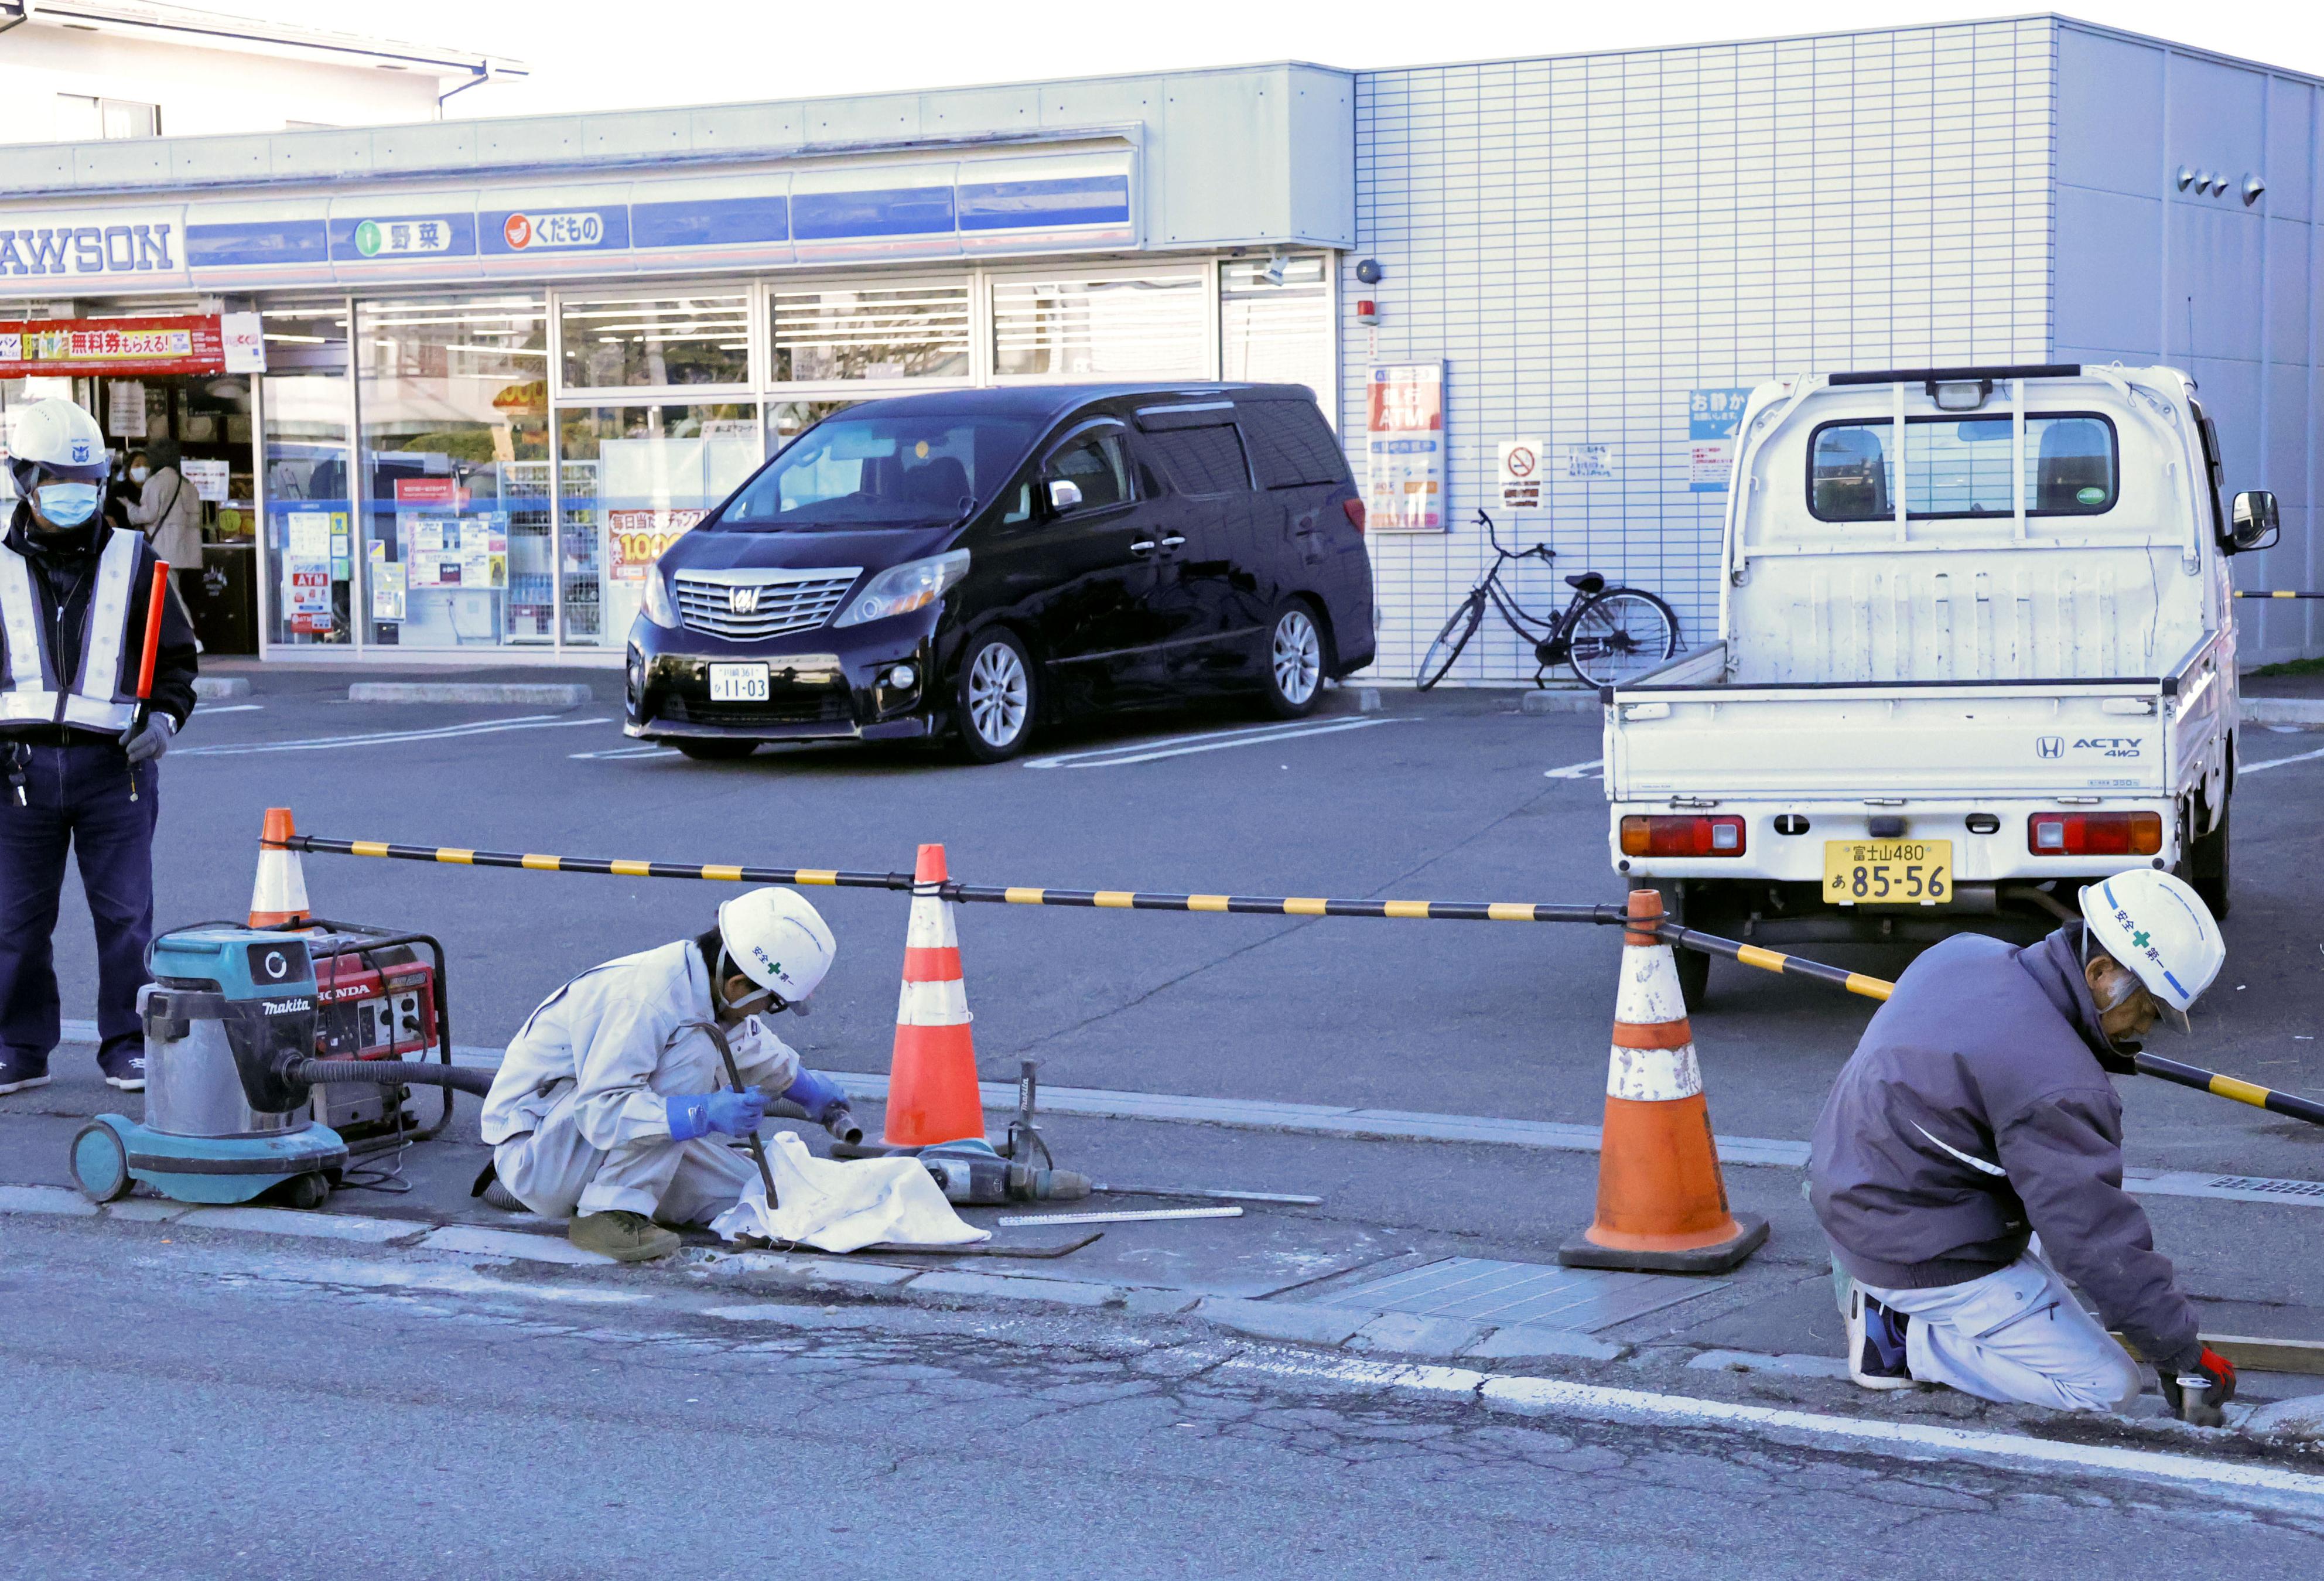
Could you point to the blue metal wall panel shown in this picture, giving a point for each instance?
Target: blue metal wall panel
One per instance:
(888, 211)
(1027, 205)
(710, 222)
(253, 243)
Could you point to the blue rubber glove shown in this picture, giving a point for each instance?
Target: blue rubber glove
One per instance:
(733, 1114)
(818, 1094)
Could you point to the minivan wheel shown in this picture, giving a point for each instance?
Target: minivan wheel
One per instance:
(992, 710)
(1294, 662)
(716, 750)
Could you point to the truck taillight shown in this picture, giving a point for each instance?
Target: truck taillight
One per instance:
(2094, 834)
(1355, 510)
(1683, 834)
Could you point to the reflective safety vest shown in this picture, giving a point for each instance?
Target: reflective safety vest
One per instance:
(29, 691)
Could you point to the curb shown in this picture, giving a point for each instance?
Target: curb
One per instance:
(1307, 1323)
(547, 694)
(1538, 701)
(221, 686)
(2305, 713)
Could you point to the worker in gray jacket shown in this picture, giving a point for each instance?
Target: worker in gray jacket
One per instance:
(1970, 1155)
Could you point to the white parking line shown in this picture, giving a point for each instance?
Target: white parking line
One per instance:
(1147, 752)
(619, 754)
(390, 737)
(1593, 770)
(206, 709)
(2279, 762)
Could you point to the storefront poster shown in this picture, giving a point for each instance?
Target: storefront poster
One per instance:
(242, 343)
(124, 409)
(1587, 461)
(386, 584)
(111, 346)
(466, 552)
(430, 491)
(1403, 448)
(209, 477)
(307, 593)
(308, 533)
(1711, 417)
(640, 536)
(1521, 474)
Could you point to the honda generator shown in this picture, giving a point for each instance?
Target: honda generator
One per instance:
(376, 997)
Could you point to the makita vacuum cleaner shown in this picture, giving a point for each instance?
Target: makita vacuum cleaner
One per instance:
(230, 1069)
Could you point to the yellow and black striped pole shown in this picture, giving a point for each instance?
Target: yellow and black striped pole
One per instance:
(2278, 593)
(1749, 955)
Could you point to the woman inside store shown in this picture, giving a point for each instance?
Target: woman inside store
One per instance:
(169, 513)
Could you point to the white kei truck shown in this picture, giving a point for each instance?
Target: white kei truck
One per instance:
(1976, 649)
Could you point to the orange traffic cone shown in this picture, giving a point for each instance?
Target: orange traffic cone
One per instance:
(932, 1096)
(1662, 1205)
(279, 898)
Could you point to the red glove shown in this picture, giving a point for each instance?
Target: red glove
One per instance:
(2196, 1393)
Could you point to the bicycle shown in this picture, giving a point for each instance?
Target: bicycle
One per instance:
(1607, 635)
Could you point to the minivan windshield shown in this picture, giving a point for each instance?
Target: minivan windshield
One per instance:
(849, 473)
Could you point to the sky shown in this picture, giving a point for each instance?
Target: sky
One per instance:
(604, 54)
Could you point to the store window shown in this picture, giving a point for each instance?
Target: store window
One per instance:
(635, 479)
(642, 343)
(454, 465)
(898, 332)
(1144, 327)
(788, 419)
(1276, 324)
(309, 539)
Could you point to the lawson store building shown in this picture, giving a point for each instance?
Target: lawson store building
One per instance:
(495, 365)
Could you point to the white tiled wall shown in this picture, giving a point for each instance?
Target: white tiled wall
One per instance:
(1586, 240)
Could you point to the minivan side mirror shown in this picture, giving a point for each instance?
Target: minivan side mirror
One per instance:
(2257, 522)
(1066, 494)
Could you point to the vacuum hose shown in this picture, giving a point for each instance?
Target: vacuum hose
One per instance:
(390, 1073)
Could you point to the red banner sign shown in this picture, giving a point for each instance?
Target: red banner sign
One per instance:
(111, 346)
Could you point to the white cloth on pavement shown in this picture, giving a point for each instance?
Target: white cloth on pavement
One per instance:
(576, 1117)
(837, 1207)
(2016, 1334)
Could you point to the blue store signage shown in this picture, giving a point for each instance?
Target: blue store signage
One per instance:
(942, 209)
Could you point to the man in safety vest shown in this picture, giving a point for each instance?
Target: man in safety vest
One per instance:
(76, 747)
(1968, 1163)
(606, 1103)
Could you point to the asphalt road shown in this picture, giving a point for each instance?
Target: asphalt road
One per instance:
(179, 1407)
(1447, 796)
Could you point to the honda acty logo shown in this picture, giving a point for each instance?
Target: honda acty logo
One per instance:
(742, 600)
(2050, 746)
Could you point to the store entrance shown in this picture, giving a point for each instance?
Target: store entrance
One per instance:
(191, 436)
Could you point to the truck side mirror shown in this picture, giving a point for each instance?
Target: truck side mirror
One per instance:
(2255, 521)
(1066, 494)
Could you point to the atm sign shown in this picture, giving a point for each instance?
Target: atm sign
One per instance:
(523, 232)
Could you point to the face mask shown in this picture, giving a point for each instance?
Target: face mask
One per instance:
(2124, 986)
(139, 474)
(68, 504)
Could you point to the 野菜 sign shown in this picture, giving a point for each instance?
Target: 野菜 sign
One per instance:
(1403, 448)
(640, 536)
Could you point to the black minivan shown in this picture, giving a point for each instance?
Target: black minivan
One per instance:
(972, 563)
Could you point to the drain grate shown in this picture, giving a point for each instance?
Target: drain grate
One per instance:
(2272, 1188)
(1487, 1291)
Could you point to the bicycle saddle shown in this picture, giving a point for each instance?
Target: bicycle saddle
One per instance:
(1586, 582)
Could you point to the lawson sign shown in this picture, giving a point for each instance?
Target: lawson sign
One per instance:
(1045, 201)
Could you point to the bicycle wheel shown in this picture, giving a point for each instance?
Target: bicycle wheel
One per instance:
(1619, 635)
(1446, 648)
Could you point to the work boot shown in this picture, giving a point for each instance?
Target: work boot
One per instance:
(124, 1067)
(19, 1070)
(499, 1195)
(1875, 1343)
(621, 1235)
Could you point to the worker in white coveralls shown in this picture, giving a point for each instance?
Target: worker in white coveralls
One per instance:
(612, 1105)
(1968, 1163)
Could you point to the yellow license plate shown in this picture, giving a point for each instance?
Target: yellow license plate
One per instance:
(1888, 873)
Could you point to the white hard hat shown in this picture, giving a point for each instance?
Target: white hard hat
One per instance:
(55, 439)
(778, 941)
(2158, 927)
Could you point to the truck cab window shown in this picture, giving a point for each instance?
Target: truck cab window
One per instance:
(1960, 467)
(1848, 475)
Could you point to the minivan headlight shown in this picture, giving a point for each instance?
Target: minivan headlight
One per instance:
(658, 606)
(900, 589)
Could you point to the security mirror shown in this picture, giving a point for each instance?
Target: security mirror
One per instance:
(1065, 494)
(2257, 524)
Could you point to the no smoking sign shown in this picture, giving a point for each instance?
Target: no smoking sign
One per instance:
(1521, 474)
